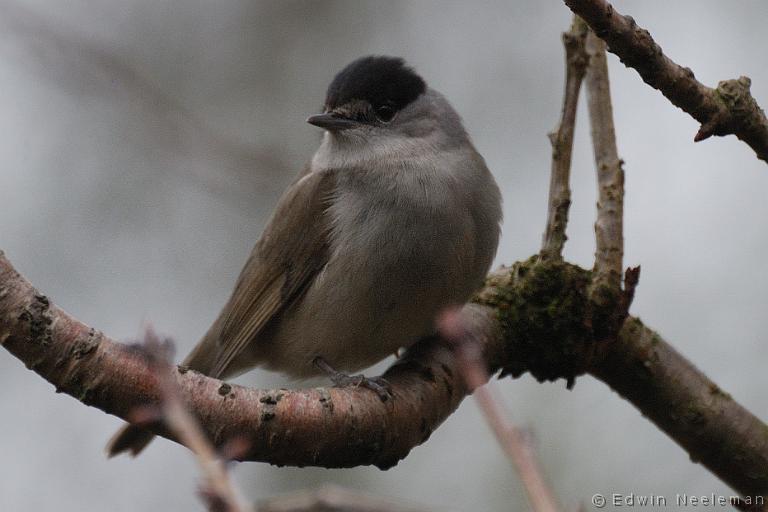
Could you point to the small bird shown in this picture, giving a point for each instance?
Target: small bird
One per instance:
(395, 218)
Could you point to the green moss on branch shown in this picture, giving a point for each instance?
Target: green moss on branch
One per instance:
(545, 316)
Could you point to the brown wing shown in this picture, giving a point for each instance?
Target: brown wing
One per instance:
(285, 260)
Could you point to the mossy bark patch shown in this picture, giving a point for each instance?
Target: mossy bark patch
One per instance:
(544, 310)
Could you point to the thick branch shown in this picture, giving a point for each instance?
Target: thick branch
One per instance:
(321, 427)
(535, 323)
(542, 309)
(562, 142)
(707, 422)
(610, 176)
(728, 109)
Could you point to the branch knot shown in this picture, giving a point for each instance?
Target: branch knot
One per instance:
(542, 306)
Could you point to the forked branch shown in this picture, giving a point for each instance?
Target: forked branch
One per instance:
(728, 109)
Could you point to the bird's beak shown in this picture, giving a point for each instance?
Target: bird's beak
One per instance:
(332, 122)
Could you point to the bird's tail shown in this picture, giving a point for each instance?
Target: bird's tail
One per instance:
(130, 438)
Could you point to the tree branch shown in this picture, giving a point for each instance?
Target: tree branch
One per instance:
(534, 322)
(707, 422)
(541, 308)
(337, 427)
(515, 442)
(562, 142)
(219, 491)
(728, 109)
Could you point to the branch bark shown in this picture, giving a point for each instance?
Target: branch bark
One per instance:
(218, 491)
(678, 398)
(541, 308)
(728, 109)
(337, 427)
(533, 308)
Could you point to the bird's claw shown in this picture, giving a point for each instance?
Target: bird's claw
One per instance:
(378, 385)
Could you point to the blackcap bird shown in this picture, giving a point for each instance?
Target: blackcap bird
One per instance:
(395, 218)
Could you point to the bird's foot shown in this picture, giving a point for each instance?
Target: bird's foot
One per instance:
(378, 385)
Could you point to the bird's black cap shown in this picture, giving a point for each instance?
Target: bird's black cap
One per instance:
(379, 80)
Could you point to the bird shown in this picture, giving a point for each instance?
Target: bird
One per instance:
(395, 218)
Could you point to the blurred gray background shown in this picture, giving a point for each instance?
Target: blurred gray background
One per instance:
(144, 143)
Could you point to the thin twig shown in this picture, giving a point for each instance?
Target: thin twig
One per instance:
(562, 142)
(218, 490)
(610, 175)
(514, 441)
(728, 109)
(331, 498)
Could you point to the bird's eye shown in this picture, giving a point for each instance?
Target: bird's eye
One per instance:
(385, 113)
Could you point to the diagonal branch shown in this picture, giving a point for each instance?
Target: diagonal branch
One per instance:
(515, 442)
(541, 308)
(728, 109)
(562, 142)
(678, 398)
(218, 491)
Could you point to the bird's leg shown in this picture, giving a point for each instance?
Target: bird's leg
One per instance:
(377, 384)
